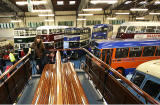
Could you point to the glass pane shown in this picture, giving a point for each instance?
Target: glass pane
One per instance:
(135, 52)
(103, 54)
(158, 29)
(149, 51)
(44, 31)
(158, 51)
(131, 29)
(152, 88)
(151, 29)
(122, 52)
(138, 79)
(140, 29)
(109, 56)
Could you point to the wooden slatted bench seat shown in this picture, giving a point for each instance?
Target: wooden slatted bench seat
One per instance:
(59, 84)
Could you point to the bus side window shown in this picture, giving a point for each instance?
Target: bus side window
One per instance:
(109, 56)
(135, 52)
(97, 53)
(44, 31)
(122, 52)
(103, 54)
(158, 29)
(151, 29)
(131, 29)
(158, 51)
(149, 51)
(138, 79)
(152, 88)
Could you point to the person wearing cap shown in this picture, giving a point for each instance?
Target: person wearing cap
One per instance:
(39, 48)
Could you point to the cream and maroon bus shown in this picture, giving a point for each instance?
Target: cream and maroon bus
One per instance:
(139, 30)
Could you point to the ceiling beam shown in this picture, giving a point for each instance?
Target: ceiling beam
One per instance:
(11, 5)
(83, 4)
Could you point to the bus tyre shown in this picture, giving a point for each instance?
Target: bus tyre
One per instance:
(121, 71)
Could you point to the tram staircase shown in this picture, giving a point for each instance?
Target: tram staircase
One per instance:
(59, 83)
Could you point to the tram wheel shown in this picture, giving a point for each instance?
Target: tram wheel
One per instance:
(121, 71)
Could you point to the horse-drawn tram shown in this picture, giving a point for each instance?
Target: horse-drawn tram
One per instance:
(61, 83)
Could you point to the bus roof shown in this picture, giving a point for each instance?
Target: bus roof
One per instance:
(150, 67)
(141, 24)
(101, 25)
(51, 27)
(104, 44)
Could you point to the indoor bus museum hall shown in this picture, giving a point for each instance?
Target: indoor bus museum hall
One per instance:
(79, 52)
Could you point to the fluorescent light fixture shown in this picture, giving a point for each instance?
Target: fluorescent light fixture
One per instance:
(143, 2)
(49, 20)
(140, 18)
(127, 2)
(46, 15)
(154, 13)
(103, 1)
(72, 2)
(123, 13)
(109, 18)
(6, 16)
(16, 21)
(157, 2)
(138, 9)
(32, 2)
(85, 14)
(81, 19)
(47, 10)
(93, 9)
(60, 2)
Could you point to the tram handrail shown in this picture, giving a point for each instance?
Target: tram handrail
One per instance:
(14, 66)
(132, 85)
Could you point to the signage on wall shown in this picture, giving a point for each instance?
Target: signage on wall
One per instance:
(116, 22)
(92, 22)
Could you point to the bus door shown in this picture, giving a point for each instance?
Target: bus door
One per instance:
(107, 55)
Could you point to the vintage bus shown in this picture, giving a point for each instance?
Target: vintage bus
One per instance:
(76, 38)
(139, 30)
(52, 36)
(23, 38)
(126, 55)
(102, 31)
(147, 77)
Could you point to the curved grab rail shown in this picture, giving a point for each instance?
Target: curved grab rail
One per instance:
(13, 66)
(132, 85)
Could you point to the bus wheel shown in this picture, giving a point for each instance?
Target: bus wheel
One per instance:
(121, 71)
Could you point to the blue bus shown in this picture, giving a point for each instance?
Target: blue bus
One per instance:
(102, 31)
(76, 38)
(125, 55)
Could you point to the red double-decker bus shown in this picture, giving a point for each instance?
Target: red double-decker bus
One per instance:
(52, 36)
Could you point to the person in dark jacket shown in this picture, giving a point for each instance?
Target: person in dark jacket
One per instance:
(39, 49)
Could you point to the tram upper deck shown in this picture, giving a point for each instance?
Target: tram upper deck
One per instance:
(63, 78)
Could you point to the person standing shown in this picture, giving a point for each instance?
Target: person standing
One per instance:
(12, 57)
(39, 48)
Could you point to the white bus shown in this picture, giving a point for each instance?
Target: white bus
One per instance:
(147, 77)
